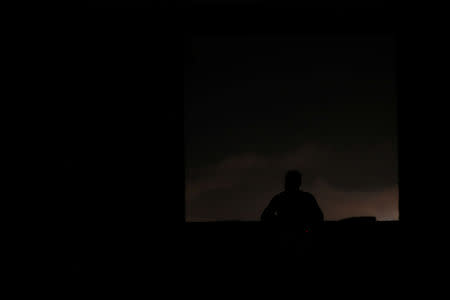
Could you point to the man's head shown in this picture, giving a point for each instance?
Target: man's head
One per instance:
(293, 180)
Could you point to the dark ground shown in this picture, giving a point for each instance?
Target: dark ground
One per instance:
(242, 247)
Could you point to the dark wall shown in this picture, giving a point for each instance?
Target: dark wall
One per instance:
(121, 180)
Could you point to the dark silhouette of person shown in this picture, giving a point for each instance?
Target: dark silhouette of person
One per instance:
(293, 207)
(295, 214)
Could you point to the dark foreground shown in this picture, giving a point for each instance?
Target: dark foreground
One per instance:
(237, 259)
(200, 254)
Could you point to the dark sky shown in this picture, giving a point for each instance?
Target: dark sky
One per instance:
(256, 106)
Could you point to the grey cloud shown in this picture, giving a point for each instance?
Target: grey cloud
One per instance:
(239, 187)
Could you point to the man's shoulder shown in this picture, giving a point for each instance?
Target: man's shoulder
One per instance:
(279, 196)
(308, 195)
(284, 195)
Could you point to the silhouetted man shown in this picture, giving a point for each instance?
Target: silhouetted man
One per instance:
(293, 207)
(295, 212)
